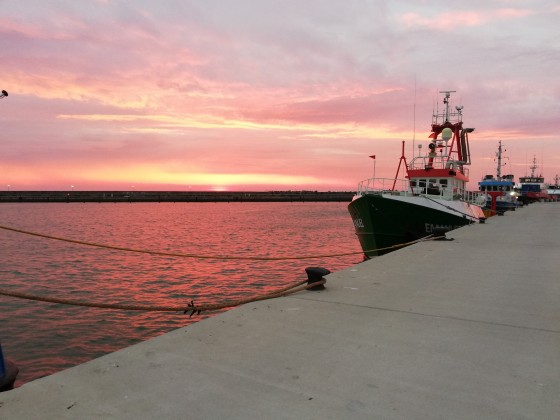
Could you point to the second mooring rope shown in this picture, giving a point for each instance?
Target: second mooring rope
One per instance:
(174, 254)
(209, 257)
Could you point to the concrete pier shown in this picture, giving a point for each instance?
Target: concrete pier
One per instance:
(462, 329)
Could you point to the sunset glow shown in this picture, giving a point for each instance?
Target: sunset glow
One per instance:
(252, 96)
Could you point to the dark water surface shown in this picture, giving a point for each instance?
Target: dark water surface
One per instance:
(43, 338)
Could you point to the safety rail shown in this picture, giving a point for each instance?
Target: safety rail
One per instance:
(403, 187)
(379, 185)
(438, 162)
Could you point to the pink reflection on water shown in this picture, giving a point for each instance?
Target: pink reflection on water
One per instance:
(43, 338)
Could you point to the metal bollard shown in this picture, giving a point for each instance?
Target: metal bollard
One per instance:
(315, 274)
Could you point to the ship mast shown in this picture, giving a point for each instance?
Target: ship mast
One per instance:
(452, 119)
(533, 167)
(446, 102)
(499, 156)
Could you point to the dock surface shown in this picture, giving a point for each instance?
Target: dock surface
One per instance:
(460, 329)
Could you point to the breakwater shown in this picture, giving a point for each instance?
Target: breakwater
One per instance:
(171, 196)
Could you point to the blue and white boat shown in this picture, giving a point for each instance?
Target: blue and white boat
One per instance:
(500, 190)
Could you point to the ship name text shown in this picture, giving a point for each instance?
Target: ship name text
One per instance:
(358, 223)
(430, 227)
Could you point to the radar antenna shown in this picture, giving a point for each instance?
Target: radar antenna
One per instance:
(446, 101)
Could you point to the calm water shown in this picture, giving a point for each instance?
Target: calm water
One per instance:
(42, 338)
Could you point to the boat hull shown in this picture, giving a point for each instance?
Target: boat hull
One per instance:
(500, 207)
(385, 221)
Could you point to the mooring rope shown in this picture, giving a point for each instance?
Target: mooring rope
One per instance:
(190, 307)
(208, 257)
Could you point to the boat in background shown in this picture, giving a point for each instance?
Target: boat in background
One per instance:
(389, 213)
(553, 191)
(532, 188)
(500, 190)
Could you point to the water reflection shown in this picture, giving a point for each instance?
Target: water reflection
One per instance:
(43, 338)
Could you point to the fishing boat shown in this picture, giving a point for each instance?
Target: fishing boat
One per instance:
(390, 213)
(554, 190)
(499, 190)
(532, 188)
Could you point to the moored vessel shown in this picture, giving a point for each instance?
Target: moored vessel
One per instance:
(532, 188)
(389, 213)
(553, 191)
(500, 190)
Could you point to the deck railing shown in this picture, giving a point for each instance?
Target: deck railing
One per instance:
(402, 187)
(438, 162)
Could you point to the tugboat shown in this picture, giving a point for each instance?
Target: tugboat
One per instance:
(430, 199)
(533, 188)
(500, 190)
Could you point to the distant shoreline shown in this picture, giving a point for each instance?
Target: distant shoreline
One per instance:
(171, 196)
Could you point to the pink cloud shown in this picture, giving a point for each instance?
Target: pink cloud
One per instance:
(255, 90)
(446, 21)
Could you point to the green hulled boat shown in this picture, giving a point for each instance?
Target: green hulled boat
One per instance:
(389, 213)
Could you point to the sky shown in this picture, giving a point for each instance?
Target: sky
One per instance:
(268, 94)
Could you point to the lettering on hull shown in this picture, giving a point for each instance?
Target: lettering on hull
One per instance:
(430, 227)
(358, 223)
